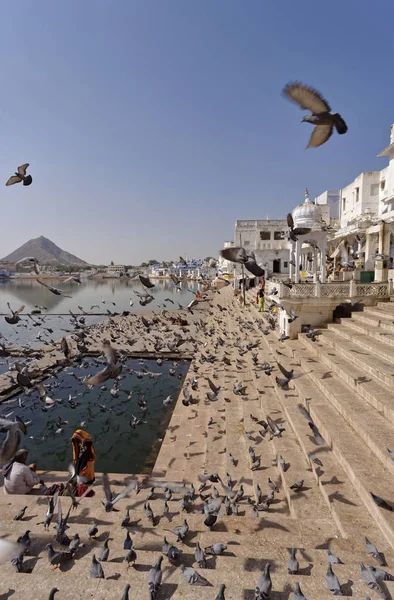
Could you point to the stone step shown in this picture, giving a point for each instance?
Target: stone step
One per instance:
(371, 426)
(239, 583)
(382, 369)
(380, 312)
(384, 322)
(376, 347)
(374, 331)
(363, 468)
(368, 387)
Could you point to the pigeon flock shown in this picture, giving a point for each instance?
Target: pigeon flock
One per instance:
(161, 521)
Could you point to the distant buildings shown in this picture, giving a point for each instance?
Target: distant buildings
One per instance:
(116, 270)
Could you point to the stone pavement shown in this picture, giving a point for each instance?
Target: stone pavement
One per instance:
(345, 386)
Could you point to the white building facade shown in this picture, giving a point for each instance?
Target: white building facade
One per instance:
(268, 239)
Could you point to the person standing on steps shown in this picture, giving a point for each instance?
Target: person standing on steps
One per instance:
(260, 295)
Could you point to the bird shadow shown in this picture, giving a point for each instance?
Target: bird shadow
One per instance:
(346, 588)
(7, 595)
(306, 570)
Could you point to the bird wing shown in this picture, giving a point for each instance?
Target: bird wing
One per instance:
(22, 169)
(128, 489)
(273, 426)
(20, 309)
(109, 353)
(234, 254)
(107, 489)
(254, 268)
(320, 135)
(68, 279)
(301, 230)
(42, 283)
(290, 222)
(285, 373)
(59, 512)
(306, 97)
(7, 550)
(174, 279)
(212, 386)
(146, 281)
(14, 179)
(99, 377)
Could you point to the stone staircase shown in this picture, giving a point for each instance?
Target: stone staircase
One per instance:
(345, 386)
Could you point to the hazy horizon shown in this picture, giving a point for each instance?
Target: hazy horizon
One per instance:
(150, 127)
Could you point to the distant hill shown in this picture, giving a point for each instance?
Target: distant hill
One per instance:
(45, 251)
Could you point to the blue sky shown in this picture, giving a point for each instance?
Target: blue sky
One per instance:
(152, 125)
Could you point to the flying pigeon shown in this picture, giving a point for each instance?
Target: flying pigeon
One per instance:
(146, 281)
(295, 231)
(322, 118)
(20, 175)
(238, 254)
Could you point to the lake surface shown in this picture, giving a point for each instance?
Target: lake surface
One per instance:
(91, 292)
(119, 448)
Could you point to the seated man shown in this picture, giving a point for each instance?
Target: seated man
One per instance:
(18, 477)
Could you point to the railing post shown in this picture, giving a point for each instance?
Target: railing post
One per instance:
(353, 289)
(390, 286)
(317, 289)
(281, 290)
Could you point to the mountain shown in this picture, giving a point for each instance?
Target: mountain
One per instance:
(45, 251)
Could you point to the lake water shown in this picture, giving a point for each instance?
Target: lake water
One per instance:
(30, 293)
(119, 448)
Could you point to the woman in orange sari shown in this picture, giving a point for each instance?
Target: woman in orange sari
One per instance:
(84, 456)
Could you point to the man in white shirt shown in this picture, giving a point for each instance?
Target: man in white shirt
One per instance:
(18, 477)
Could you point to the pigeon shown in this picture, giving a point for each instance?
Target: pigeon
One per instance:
(104, 552)
(172, 552)
(220, 595)
(298, 595)
(181, 531)
(315, 460)
(381, 575)
(93, 531)
(131, 555)
(128, 543)
(298, 485)
(239, 255)
(96, 570)
(146, 281)
(371, 581)
(322, 118)
(154, 579)
(216, 549)
(57, 558)
(295, 231)
(373, 551)
(20, 175)
(109, 503)
(20, 514)
(126, 592)
(332, 559)
(292, 564)
(54, 290)
(15, 318)
(199, 555)
(263, 585)
(333, 582)
(110, 371)
(192, 576)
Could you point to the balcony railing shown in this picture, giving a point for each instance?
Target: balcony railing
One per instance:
(346, 289)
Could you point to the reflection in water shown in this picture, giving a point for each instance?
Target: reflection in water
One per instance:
(120, 449)
(90, 292)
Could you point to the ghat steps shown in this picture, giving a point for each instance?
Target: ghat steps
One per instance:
(345, 385)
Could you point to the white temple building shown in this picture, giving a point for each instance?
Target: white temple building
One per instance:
(308, 253)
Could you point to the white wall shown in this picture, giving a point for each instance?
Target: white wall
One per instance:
(331, 199)
(368, 196)
(266, 250)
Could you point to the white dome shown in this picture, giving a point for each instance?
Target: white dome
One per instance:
(307, 214)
